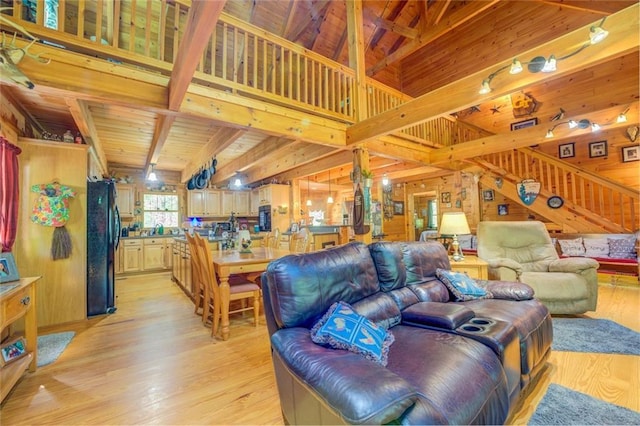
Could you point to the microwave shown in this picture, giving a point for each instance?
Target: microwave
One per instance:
(221, 227)
(264, 218)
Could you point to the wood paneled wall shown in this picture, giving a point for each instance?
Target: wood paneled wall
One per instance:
(61, 293)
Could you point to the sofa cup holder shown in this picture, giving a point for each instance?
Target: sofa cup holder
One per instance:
(482, 321)
(473, 328)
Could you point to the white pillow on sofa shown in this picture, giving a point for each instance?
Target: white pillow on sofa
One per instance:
(572, 247)
(596, 247)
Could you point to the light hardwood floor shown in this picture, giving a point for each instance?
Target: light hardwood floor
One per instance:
(153, 362)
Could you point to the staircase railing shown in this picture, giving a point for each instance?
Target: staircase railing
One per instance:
(601, 201)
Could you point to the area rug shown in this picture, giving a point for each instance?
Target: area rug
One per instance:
(563, 406)
(50, 346)
(594, 335)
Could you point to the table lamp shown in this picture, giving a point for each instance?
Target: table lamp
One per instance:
(455, 223)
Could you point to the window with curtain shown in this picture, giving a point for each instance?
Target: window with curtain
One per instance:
(432, 214)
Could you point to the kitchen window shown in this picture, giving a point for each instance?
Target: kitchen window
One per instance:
(160, 209)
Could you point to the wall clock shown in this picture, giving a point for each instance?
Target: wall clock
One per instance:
(555, 202)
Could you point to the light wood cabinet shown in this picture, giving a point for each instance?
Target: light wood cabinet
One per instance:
(118, 260)
(153, 253)
(132, 257)
(16, 304)
(203, 202)
(473, 266)
(126, 199)
(254, 202)
(236, 202)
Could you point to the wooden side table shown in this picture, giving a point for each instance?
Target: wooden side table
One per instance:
(472, 266)
(14, 304)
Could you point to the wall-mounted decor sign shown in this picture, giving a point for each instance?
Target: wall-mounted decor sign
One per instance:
(566, 150)
(598, 149)
(528, 191)
(524, 124)
(630, 153)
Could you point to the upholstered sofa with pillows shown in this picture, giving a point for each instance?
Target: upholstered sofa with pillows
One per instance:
(616, 253)
(387, 333)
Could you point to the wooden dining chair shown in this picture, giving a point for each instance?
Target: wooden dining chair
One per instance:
(241, 291)
(274, 239)
(196, 276)
(300, 242)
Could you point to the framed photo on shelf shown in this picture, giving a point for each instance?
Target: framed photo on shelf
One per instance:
(8, 270)
(445, 197)
(630, 153)
(12, 351)
(398, 207)
(566, 150)
(488, 195)
(524, 124)
(598, 149)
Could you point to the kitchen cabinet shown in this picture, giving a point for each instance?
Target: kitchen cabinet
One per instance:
(203, 202)
(236, 202)
(254, 202)
(181, 272)
(126, 199)
(274, 195)
(118, 260)
(154, 253)
(132, 257)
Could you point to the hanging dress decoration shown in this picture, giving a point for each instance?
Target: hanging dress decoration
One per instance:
(52, 209)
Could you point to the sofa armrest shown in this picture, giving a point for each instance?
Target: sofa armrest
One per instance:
(504, 268)
(507, 290)
(359, 390)
(446, 316)
(573, 264)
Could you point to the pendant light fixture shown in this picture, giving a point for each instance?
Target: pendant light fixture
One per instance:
(152, 175)
(308, 193)
(330, 199)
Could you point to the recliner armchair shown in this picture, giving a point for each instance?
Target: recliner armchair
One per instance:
(523, 251)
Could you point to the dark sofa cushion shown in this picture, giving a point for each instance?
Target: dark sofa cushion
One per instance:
(379, 308)
(301, 289)
(342, 328)
(447, 316)
(361, 391)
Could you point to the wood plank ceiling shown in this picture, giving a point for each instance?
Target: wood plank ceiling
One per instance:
(413, 46)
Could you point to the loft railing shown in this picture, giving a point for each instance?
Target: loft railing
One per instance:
(606, 203)
(239, 57)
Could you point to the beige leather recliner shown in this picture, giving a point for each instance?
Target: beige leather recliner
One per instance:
(523, 251)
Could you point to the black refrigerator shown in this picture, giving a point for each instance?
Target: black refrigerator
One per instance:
(103, 235)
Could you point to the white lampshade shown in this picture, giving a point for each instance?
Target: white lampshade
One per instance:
(454, 223)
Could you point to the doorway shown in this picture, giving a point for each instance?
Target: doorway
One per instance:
(425, 214)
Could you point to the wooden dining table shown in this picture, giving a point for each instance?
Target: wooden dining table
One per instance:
(228, 262)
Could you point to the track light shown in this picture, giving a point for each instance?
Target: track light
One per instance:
(152, 175)
(622, 118)
(597, 34)
(549, 134)
(485, 88)
(385, 179)
(573, 124)
(595, 127)
(539, 63)
(516, 67)
(550, 64)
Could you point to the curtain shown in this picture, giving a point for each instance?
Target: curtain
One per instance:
(9, 193)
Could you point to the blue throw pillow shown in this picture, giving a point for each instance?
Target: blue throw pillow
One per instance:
(461, 286)
(342, 328)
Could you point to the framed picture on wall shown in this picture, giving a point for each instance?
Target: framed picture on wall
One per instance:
(524, 124)
(598, 149)
(398, 207)
(8, 270)
(566, 150)
(488, 195)
(503, 209)
(445, 197)
(630, 153)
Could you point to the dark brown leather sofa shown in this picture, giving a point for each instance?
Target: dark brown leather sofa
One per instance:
(451, 362)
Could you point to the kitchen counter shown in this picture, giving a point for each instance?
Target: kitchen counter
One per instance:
(130, 237)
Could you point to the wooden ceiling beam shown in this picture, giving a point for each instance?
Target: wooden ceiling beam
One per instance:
(622, 40)
(318, 10)
(390, 25)
(317, 170)
(434, 13)
(220, 140)
(84, 120)
(527, 137)
(456, 19)
(380, 32)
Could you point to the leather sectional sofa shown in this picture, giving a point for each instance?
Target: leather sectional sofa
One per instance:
(451, 362)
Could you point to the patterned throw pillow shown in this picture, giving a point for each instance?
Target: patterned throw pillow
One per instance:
(572, 247)
(461, 286)
(342, 328)
(596, 247)
(622, 248)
